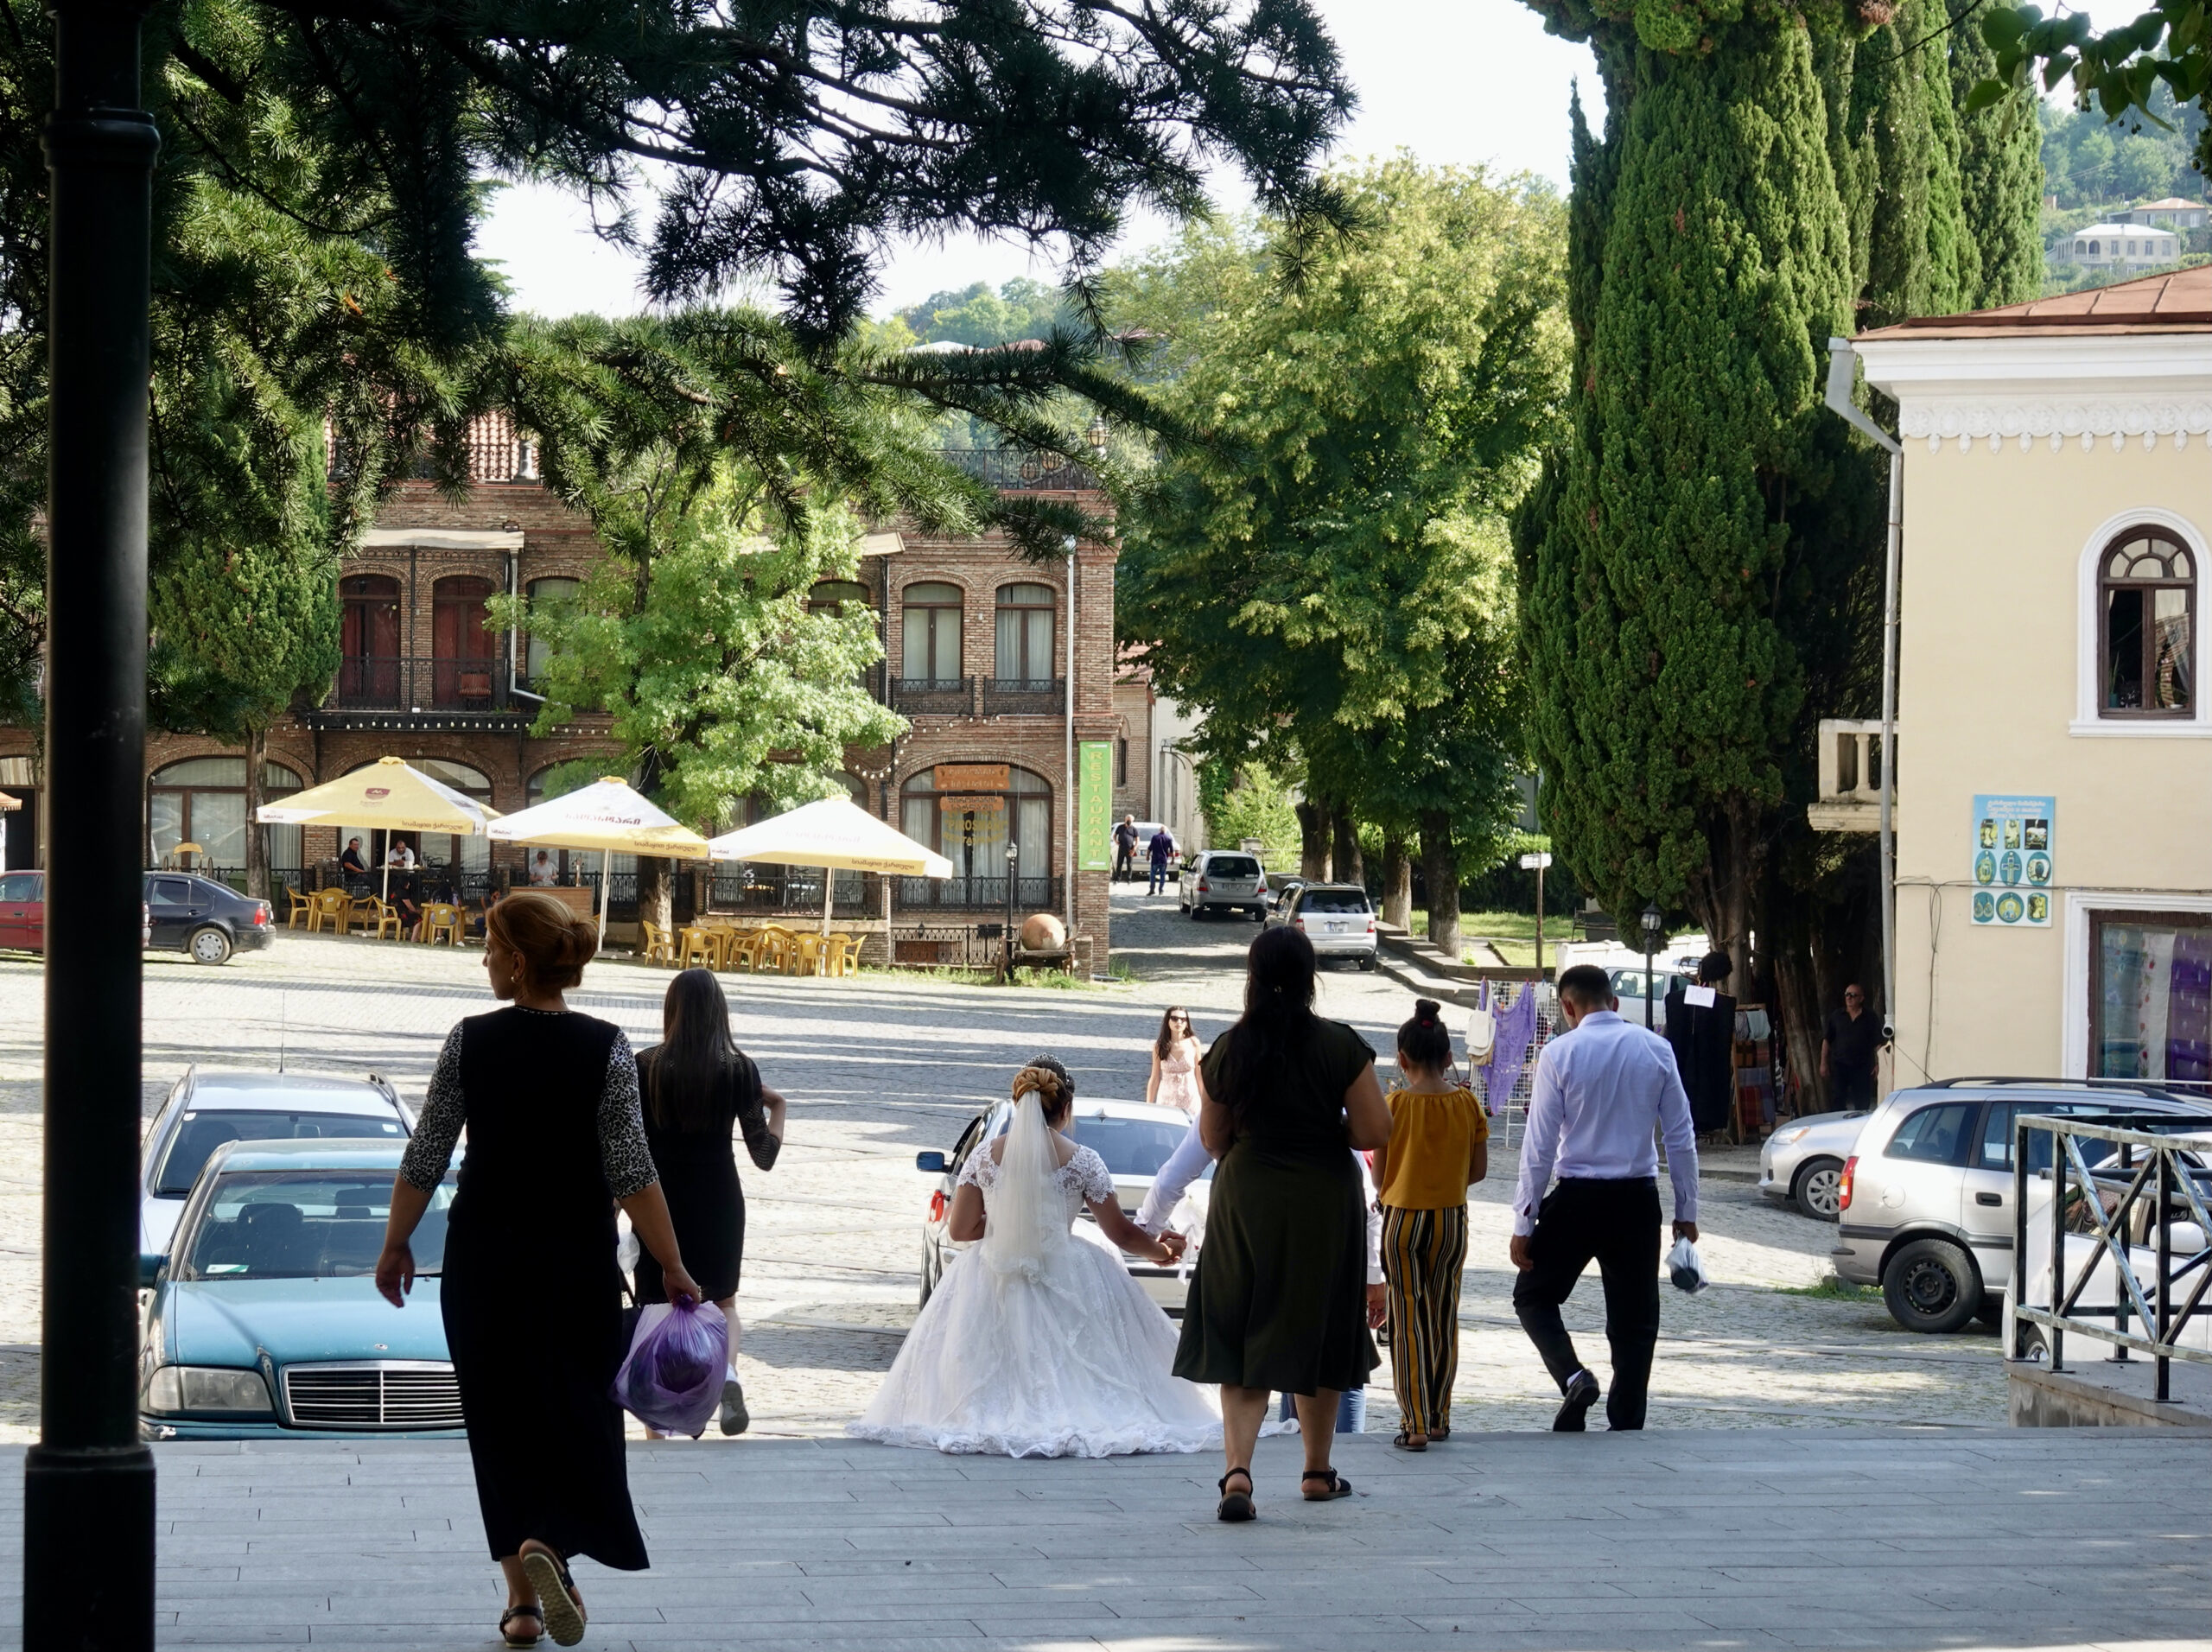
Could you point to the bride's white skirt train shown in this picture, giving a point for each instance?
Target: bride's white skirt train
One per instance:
(1072, 1360)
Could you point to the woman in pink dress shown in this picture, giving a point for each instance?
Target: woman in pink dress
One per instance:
(1174, 1082)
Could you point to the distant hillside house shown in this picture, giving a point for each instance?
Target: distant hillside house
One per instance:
(2173, 213)
(2120, 249)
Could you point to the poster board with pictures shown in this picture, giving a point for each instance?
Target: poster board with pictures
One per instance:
(2012, 859)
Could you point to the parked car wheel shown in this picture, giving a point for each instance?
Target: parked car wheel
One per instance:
(1368, 963)
(209, 945)
(1931, 1285)
(1818, 1190)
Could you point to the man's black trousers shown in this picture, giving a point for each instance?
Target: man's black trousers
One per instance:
(1616, 1223)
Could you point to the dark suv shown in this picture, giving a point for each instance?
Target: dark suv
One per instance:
(185, 912)
(1927, 1194)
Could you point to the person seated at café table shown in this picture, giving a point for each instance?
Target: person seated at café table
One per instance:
(350, 861)
(544, 874)
(399, 856)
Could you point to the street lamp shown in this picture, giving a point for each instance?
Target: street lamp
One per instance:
(1096, 435)
(1013, 853)
(1652, 919)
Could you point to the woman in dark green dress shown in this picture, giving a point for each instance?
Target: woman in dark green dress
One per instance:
(1279, 1301)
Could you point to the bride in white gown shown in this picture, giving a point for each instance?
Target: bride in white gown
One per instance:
(1037, 1343)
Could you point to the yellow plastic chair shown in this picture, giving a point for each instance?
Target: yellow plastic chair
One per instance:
(658, 948)
(301, 912)
(841, 955)
(779, 946)
(695, 946)
(741, 946)
(442, 918)
(808, 958)
(377, 917)
(330, 909)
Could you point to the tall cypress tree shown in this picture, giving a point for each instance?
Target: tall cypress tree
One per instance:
(2001, 166)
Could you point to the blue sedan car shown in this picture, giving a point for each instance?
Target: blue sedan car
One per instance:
(265, 1323)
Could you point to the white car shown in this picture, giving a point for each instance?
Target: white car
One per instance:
(1134, 1138)
(1222, 880)
(205, 1110)
(1802, 1164)
(1337, 918)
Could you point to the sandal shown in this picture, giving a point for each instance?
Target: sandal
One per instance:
(1437, 1434)
(1406, 1442)
(562, 1607)
(1337, 1485)
(1235, 1505)
(514, 1638)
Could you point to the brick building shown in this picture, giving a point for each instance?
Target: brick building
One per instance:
(977, 646)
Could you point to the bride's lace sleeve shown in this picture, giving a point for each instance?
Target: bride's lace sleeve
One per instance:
(974, 1172)
(1089, 1172)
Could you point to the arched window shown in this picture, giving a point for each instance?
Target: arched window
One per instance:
(368, 672)
(551, 593)
(1024, 634)
(2146, 618)
(462, 648)
(970, 811)
(2094, 251)
(202, 800)
(930, 632)
(834, 596)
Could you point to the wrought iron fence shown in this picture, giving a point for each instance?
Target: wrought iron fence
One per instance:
(2149, 1186)
(1018, 696)
(1003, 468)
(746, 888)
(370, 682)
(976, 895)
(941, 697)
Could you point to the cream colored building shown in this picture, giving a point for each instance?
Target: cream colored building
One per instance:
(2054, 904)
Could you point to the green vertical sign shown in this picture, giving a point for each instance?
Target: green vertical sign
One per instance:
(1095, 805)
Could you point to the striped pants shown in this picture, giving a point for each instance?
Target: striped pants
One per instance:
(1422, 1254)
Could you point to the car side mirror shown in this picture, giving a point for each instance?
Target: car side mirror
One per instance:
(150, 1269)
(935, 1163)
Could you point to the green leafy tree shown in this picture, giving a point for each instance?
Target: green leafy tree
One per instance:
(1021, 309)
(1330, 569)
(2124, 74)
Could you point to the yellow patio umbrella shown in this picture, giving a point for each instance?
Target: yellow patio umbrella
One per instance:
(833, 833)
(385, 794)
(608, 816)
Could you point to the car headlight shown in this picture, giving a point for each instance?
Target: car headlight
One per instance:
(206, 1388)
(1783, 1138)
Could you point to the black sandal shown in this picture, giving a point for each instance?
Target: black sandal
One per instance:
(1235, 1505)
(562, 1607)
(1404, 1442)
(513, 1639)
(1339, 1486)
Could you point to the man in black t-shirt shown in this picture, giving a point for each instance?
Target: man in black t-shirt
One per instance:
(1125, 848)
(1848, 1050)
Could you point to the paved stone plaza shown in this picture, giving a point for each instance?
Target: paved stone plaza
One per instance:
(1672, 1540)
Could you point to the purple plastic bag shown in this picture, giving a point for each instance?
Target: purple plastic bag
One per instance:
(673, 1378)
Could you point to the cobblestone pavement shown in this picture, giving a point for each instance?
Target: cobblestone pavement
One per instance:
(880, 1066)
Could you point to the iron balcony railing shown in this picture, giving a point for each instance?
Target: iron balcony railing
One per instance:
(1025, 696)
(2145, 1204)
(791, 890)
(976, 895)
(1006, 469)
(943, 696)
(371, 682)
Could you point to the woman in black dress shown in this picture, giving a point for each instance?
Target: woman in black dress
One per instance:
(698, 1084)
(1279, 1299)
(555, 1140)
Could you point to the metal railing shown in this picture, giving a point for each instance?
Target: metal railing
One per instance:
(976, 895)
(792, 890)
(1003, 468)
(944, 697)
(2119, 1204)
(1022, 696)
(370, 682)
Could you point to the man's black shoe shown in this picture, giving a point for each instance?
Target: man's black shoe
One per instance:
(1582, 1394)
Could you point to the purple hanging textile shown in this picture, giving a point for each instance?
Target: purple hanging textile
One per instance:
(2189, 1008)
(1516, 1025)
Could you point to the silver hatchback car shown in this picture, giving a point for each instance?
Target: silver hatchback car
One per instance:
(1222, 880)
(1925, 1199)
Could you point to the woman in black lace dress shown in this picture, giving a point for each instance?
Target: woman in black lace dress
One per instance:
(555, 1140)
(699, 1086)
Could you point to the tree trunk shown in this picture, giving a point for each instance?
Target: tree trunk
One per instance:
(655, 891)
(257, 836)
(1312, 838)
(1796, 1016)
(1439, 869)
(1397, 881)
(1348, 862)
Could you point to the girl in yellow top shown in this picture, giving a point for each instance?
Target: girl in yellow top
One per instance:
(1439, 1146)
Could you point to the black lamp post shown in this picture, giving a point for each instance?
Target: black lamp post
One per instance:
(88, 1484)
(1652, 920)
(1013, 855)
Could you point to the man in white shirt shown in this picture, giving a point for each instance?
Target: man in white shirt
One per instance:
(1602, 1089)
(400, 856)
(543, 872)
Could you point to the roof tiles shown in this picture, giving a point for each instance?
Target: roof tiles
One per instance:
(2178, 301)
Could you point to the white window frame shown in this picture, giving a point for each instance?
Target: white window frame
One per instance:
(2074, 1011)
(2087, 723)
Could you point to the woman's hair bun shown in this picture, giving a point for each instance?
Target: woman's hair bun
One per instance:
(1424, 1037)
(1427, 1009)
(554, 942)
(1055, 1088)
